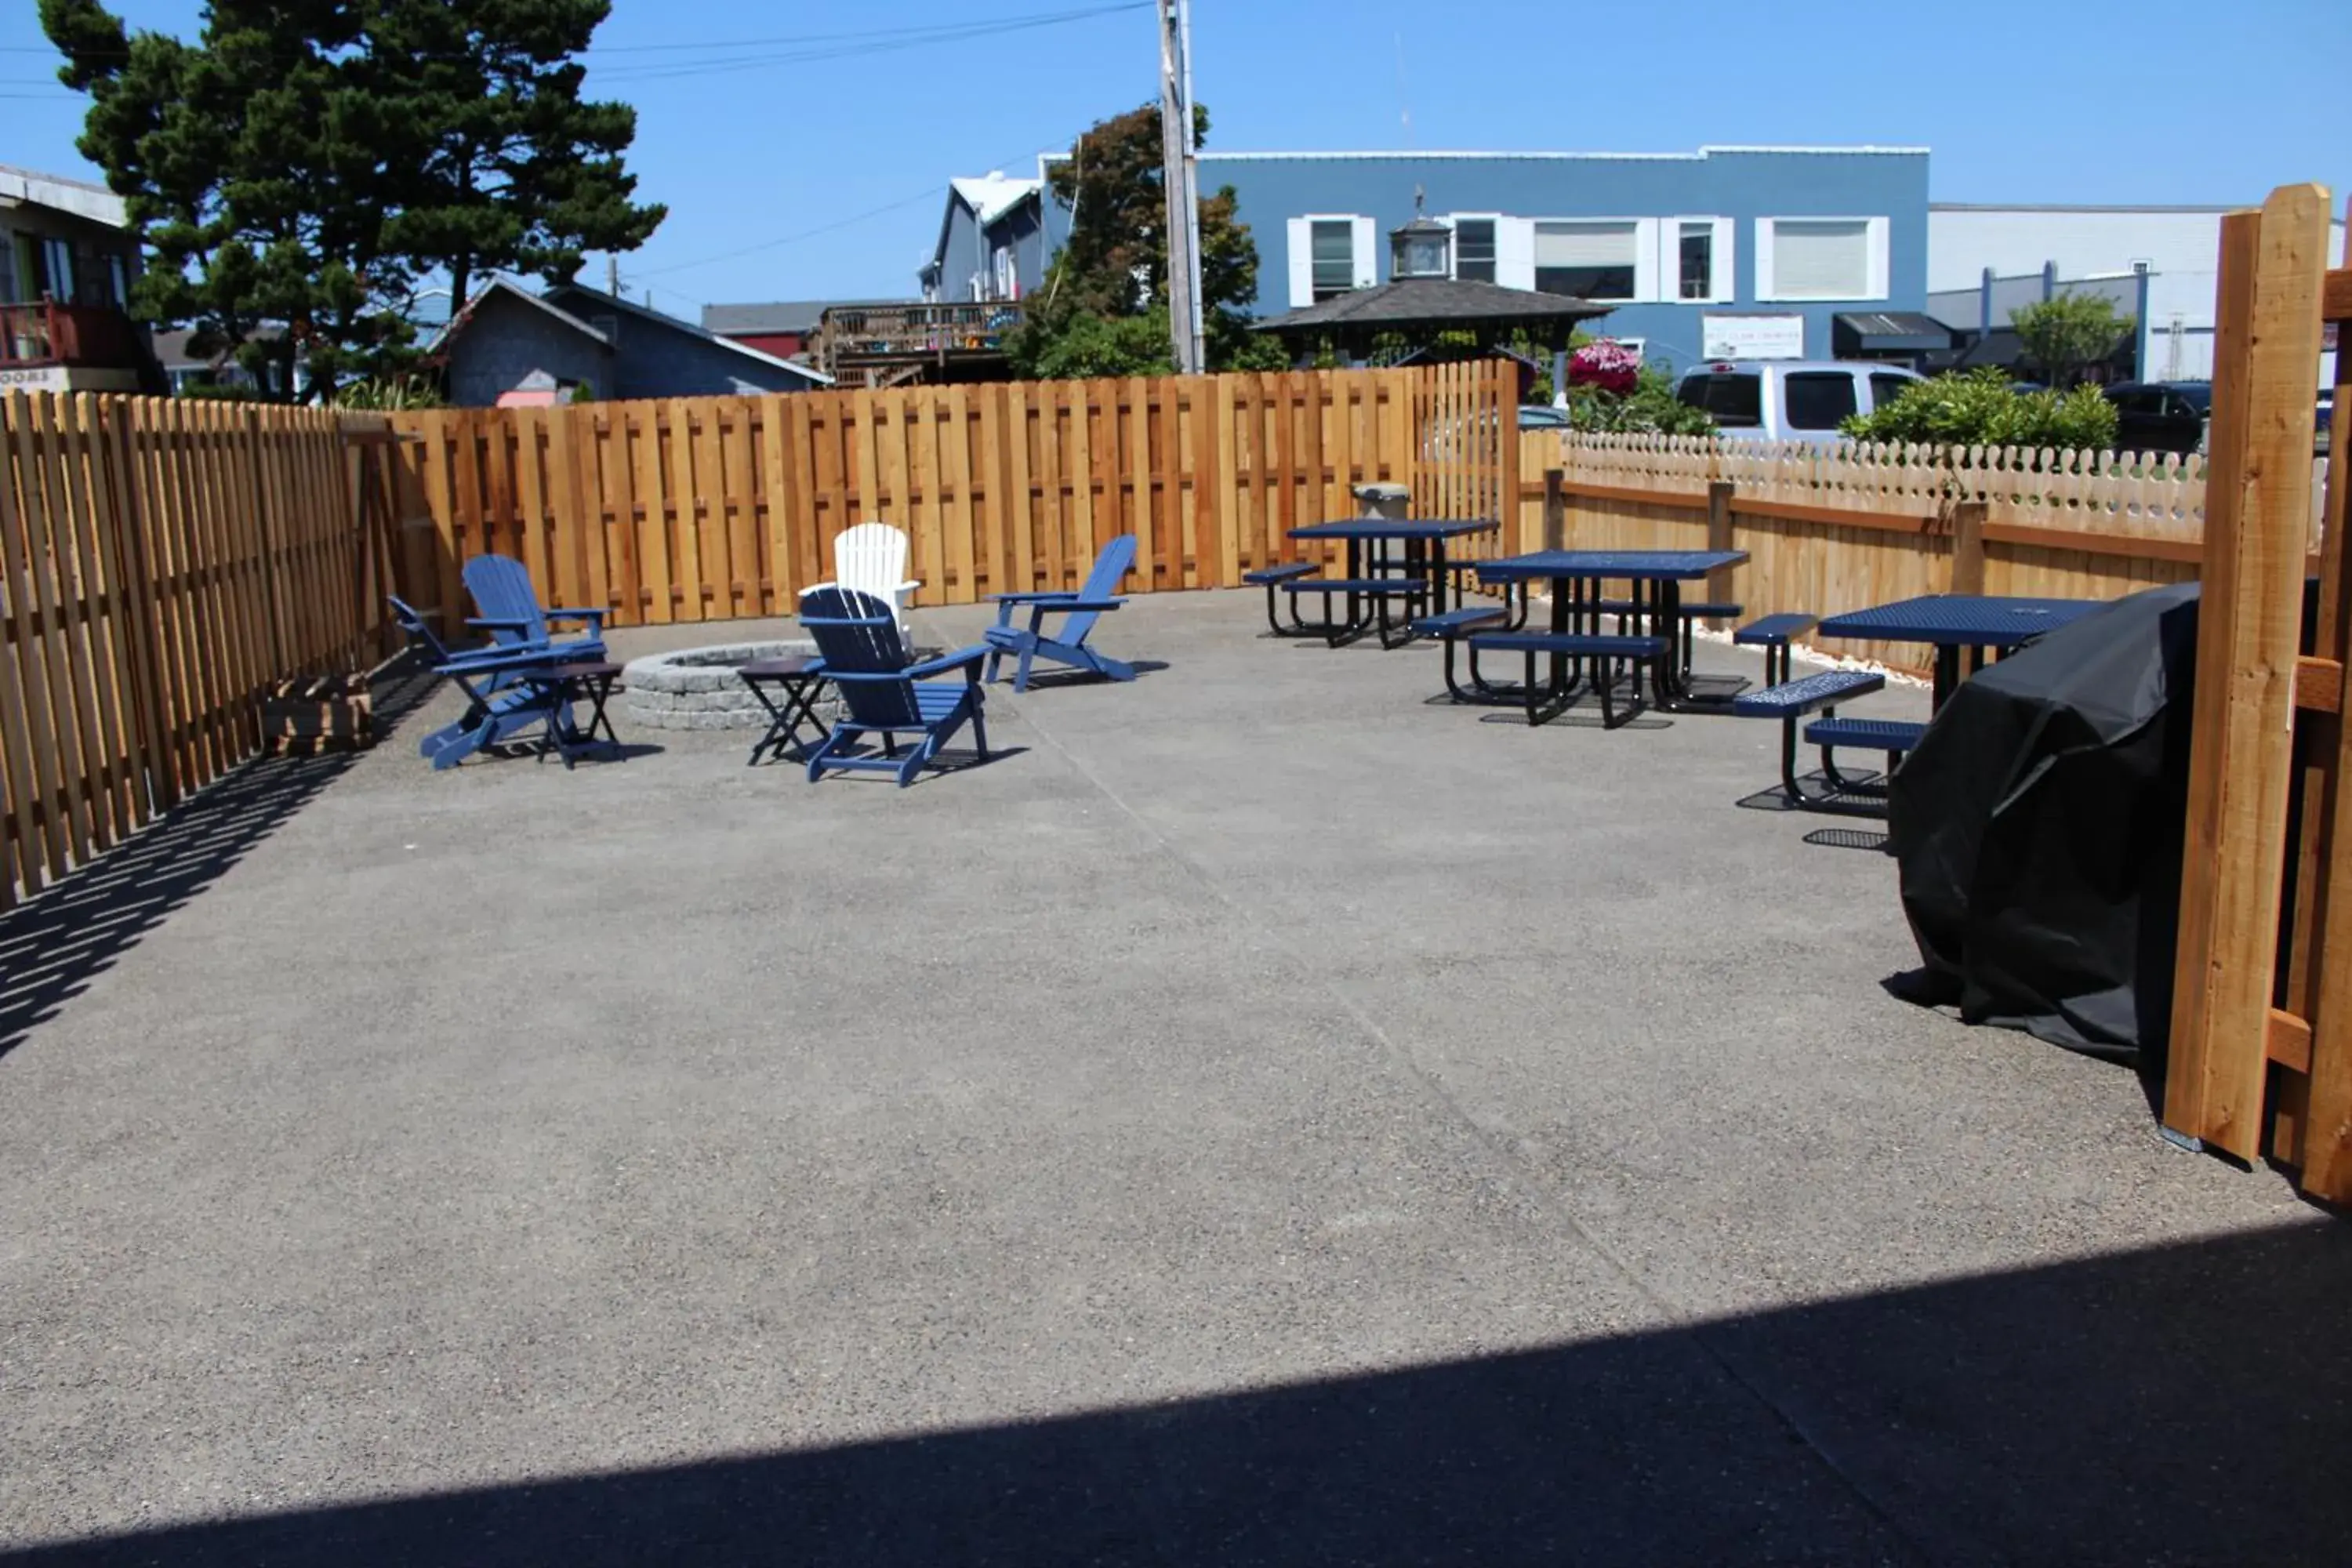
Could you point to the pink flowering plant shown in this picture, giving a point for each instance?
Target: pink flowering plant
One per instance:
(1606, 365)
(1610, 389)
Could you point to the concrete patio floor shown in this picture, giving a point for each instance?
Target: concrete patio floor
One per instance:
(1265, 1116)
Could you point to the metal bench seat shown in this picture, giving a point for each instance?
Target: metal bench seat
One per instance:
(1393, 588)
(1451, 624)
(1792, 701)
(1892, 736)
(1774, 634)
(1606, 653)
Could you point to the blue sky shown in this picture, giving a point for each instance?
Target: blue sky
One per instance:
(2029, 101)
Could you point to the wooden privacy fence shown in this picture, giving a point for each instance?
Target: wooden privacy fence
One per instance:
(160, 562)
(709, 509)
(1839, 529)
(2261, 1057)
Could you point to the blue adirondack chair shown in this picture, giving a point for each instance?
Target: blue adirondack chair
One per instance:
(884, 690)
(511, 613)
(499, 703)
(1068, 643)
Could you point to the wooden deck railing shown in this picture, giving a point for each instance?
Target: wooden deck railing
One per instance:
(47, 333)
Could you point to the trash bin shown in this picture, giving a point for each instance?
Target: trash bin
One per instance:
(1384, 500)
(1388, 500)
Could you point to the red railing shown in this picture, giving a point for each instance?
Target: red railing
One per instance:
(52, 333)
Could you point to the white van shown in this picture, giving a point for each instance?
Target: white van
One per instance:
(1789, 400)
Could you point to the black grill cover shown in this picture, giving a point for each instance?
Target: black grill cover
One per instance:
(2038, 827)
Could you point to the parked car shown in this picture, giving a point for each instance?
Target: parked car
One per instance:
(1789, 400)
(2161, 416)
(1539, 417)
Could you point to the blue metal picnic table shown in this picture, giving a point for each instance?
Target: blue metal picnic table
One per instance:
(1423, 567)
(1954, 622)
(1657, 576)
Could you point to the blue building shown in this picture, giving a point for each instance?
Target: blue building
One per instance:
(993, 241)
(1721, 253)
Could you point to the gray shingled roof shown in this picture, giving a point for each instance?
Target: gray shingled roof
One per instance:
(1433, 299)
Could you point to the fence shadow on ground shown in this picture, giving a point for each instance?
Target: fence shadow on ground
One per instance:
(2189, 1403)
(52, 945)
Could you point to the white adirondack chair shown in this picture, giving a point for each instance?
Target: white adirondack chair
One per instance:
(872, 558)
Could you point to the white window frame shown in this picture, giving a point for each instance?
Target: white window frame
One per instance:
(1453, 249)
(1722, 273)
(1515, 252)
(1363, 253)
(1877, 272)
(1645, 252)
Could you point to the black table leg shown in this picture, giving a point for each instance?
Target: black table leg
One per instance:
(599, 690)
(784, 722)
(1355, 571)
(1665, 606)
(1948, 675)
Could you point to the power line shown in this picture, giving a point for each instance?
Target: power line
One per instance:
(804, 46)
(727, 64)
(1040, 18)
(929, 193)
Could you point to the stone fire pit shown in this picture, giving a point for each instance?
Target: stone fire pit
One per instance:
(697, 687)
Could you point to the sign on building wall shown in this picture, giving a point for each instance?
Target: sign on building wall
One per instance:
(1752, 337)
(68, 378)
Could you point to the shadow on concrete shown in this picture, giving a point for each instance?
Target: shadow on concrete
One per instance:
(51, 946)
(1851, 839)
(1044, 677)
(2190, 1403)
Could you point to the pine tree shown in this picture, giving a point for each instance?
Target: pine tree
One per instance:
(307, 164)
(513, 170)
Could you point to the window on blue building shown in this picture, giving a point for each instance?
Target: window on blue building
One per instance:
(1473, 249)
(1586, 260)
(1696, 276)
(1334, 257)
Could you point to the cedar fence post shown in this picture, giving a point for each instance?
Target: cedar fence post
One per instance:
(1718, 537)
(2257, 518)
(1555, 509)
(1967, 547)
(2320, 1105)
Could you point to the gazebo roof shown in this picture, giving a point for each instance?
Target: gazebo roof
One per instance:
(1433, 300)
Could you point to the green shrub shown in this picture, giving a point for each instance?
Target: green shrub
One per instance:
(2067, 334)
(221, 392)
(389, 393)
(1978, 408)
(1090, 345)
(1650, 408)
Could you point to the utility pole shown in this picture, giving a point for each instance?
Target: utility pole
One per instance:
(613, 274)
(1181, 181)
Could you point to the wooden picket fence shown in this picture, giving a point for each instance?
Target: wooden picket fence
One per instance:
(2261, 1061)
(160, 562)
(710, 508)
(1828, 528)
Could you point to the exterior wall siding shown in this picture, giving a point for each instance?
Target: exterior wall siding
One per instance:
(506, 340)
(651, 360)
(962, 255)
(1741, 185)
